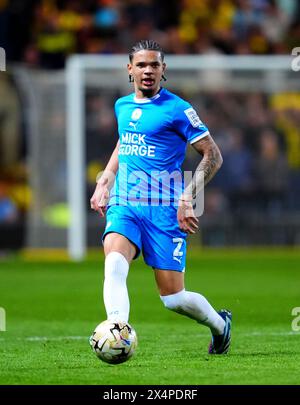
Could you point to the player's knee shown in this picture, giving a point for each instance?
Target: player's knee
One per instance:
(116, 265)
(174, 302)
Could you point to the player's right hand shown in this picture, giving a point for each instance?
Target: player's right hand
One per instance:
(100, 198)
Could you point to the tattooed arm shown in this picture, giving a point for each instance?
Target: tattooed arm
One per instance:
(207, 168)
(209, 165)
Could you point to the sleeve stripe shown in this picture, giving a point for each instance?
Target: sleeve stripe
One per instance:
(199, 137)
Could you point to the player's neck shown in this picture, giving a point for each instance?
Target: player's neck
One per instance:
(140, 94)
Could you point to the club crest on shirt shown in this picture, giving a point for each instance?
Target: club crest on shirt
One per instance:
(136, 114)
(193, 117)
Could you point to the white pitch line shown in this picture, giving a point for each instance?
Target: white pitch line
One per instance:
(46, 338)
(291, 333)
(86, 338)
(37, 338)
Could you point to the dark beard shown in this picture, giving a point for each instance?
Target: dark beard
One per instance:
(148, 93)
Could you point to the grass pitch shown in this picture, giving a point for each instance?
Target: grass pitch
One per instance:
(53, 307)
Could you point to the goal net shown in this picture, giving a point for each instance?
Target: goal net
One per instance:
(72, 132)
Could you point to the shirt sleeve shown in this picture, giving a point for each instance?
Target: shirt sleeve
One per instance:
(188, 123)
(116, 107)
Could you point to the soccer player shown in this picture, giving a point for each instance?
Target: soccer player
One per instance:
(154, 127)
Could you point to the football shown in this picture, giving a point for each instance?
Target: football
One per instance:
(113, 342)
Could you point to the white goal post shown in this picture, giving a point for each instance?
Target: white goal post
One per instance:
(272, 68)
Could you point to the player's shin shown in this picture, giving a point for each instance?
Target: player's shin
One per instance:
(115, 292)
(197, 307)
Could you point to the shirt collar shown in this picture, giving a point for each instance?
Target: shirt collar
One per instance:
(146, 100)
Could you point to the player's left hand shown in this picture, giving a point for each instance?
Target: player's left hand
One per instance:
(187, 220)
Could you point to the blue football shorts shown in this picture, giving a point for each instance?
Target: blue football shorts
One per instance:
(154, 230)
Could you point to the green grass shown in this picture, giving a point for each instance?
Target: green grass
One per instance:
(52, 308)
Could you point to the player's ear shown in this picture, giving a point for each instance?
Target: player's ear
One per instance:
(129, 69)
(164, 70)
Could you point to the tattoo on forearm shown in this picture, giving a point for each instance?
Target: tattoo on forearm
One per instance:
(205, 171)
(209, 164)
(207, 168)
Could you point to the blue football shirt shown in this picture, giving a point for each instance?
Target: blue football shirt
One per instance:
(153, 136)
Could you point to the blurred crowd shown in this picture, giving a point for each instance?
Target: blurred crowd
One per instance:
(259, 134)
(44, 32)
(260, 141)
